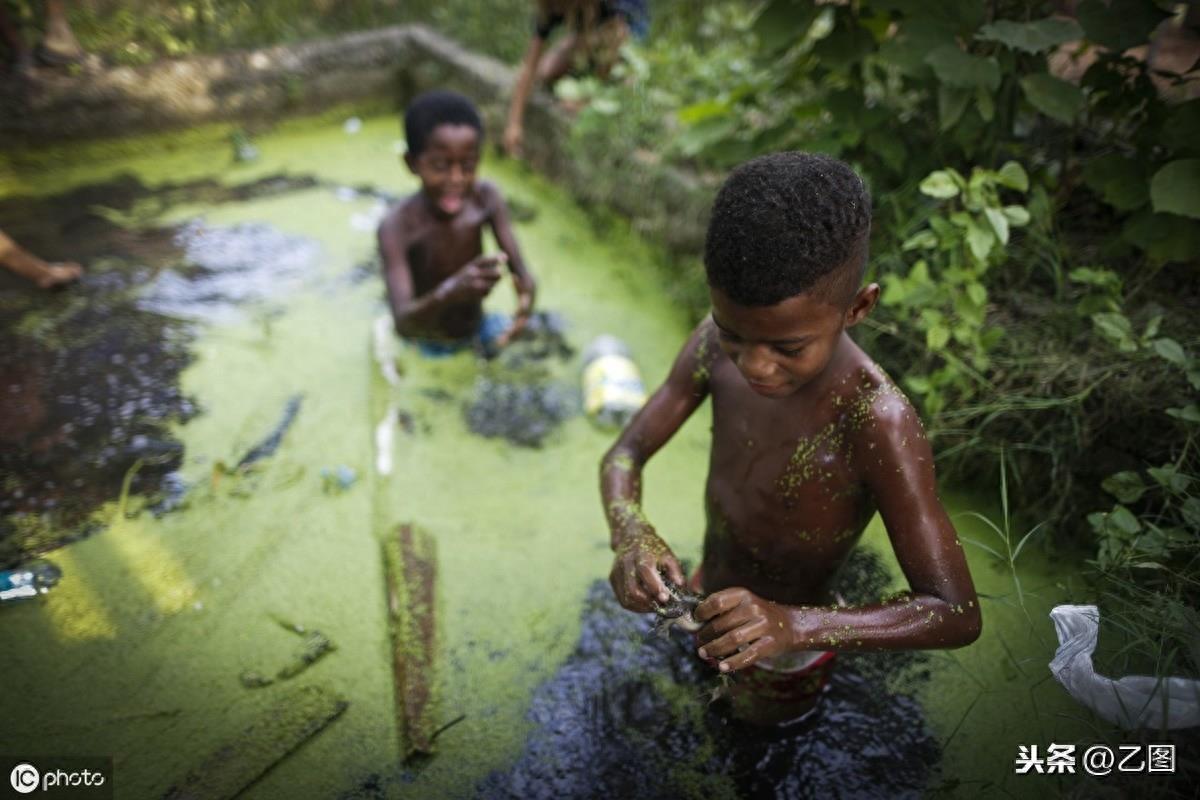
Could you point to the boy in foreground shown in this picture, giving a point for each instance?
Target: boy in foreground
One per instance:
(431, 243)
(809, 439)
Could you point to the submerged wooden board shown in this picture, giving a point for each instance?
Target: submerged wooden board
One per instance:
(411, 569)
(294, 718)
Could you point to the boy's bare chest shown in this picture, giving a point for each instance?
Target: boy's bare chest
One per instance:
(441, 248)
(783, 476)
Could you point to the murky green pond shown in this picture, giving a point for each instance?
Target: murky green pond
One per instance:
(254, 280)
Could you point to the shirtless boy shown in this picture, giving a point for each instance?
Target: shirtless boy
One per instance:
(809, 439)
(432, 242)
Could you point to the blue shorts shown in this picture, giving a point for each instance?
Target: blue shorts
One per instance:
(490, 327)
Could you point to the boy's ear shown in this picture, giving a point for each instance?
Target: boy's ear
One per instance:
(862, 304)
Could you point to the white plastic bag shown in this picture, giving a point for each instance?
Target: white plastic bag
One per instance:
(1135, 701)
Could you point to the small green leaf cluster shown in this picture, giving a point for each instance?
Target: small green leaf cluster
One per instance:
(943, 295)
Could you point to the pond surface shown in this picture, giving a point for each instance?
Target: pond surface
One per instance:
(198, 422)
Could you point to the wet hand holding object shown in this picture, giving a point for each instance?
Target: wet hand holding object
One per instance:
(741, 628)
(472, 282)
(637, 574)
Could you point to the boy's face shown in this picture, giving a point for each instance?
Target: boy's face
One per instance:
(780, 349)
(447, 166)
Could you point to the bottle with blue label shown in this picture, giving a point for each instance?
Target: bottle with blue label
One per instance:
(612, 386)
(28, 581)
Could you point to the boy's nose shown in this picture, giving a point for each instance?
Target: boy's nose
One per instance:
(755, 363)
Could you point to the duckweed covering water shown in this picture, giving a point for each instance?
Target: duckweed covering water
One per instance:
(138, 651)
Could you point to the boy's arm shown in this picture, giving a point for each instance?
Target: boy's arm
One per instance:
(514, 129)
(416, 315)
(940, 611)
(523, 280)
(640, 553)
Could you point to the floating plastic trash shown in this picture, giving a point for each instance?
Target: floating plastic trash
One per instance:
(243, 149)
(612, 386)
(352, 125)
(1135, 701)
(338, 479)
(28, 581)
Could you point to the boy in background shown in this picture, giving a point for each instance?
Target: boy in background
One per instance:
(431, 243)
(809, 439)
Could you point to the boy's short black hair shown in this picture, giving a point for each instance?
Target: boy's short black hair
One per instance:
(438, 107)
(783, 222)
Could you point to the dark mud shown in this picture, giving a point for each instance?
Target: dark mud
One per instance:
(89, 376)
(522, 394)
(628, 716)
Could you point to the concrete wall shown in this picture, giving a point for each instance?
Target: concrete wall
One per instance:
(398, 62)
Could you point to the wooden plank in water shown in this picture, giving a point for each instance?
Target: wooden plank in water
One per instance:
(411, 570)
(277, 732)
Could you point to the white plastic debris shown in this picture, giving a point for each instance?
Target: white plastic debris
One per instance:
(1135, 701)
(385, 352)
(352, 125)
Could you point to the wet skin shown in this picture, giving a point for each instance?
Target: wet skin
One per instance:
(431, 244)
(809, 439)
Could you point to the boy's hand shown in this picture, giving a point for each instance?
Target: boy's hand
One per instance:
(637, 573)
(474, 281)
(741, 628)
(513, 134)
(518, 324)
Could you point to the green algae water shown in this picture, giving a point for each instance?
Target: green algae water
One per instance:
(138, 652)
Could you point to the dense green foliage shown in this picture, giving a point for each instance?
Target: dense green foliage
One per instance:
(1036, 238)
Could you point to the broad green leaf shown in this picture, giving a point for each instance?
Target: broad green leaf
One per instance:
(999, 223)
(1123, 520)
(697, 112)
(917, 384)
(705, 134)
(955, 67)
(980, 241)
(1152, 327)
(939, 184)
(1054, 97)
(1127, 487)
(915, 37)
(1017, 216)
(1170, 478)
(1170, 350)
(1191, 512)
(890, 149)
(1120, 180)
(937, 337)
(984, 104)
(977, 293)
(1175, 189)
(1189, 413)
(922, 240)
(1031, 37)
(951, 105)
(1164, 237)
(1119, 24)
(1101, 278)
(1115, 327)
(782, 23)
(1181, 132)
(1013, 176)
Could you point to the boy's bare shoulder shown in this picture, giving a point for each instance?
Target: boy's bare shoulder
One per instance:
(882, 425)
(405, 216)
(489, 194)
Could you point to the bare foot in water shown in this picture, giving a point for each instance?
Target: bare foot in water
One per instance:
(45, 274)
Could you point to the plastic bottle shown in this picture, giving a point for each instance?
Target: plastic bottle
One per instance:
(612, 386)
(28, 581)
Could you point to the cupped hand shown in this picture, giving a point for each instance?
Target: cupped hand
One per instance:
(637, 573)
(473, 281)
(741, 628)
